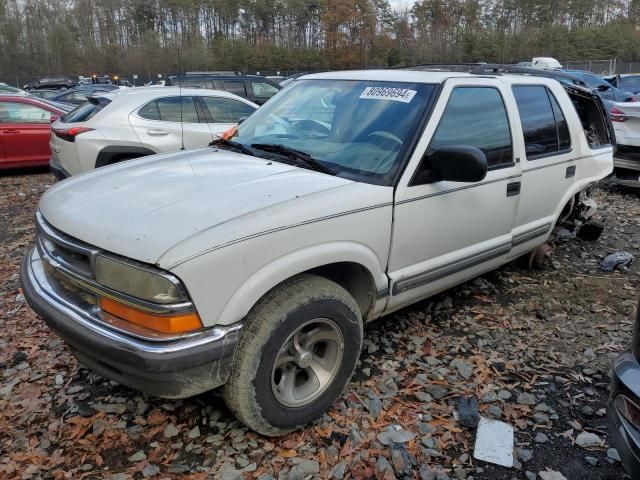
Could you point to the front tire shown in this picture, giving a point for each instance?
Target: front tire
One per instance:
(297, 351)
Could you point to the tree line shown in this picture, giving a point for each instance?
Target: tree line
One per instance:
(148, 36)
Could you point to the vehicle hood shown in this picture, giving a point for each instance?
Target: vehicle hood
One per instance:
(142, 208)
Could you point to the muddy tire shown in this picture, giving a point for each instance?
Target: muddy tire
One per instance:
(297, 351)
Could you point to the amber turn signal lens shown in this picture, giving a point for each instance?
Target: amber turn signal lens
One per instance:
(160, 323)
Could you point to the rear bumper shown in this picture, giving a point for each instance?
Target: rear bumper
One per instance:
(58, 170)
(171, 369)
(625, 380)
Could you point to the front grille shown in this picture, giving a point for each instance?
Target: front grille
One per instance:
(72, 254)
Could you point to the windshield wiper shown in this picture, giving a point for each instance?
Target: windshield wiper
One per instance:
(238, 147)
(305, 158)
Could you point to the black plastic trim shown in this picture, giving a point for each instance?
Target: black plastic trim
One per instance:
(58, 170)
(422, 278)
(107, 154)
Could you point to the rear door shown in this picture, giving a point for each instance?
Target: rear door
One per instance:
(161, 123)
(550, 164)
(224, 113)
(24, 133)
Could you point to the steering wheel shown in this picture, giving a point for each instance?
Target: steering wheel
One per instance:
(386, 137)
(313, 126)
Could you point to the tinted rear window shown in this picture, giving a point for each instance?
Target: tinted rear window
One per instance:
(543, 123)
(86, 110)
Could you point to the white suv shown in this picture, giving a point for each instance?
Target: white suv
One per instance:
(255, 263)
(123, 124)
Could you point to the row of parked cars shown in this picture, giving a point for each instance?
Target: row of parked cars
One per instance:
(139, 121)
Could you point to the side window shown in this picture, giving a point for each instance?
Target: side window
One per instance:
(168, 109)
(263, 89)
(564, 139)
(226, 110)
(192, 82)
(476, 116)
(235, 86)
(15, 112)
(78, 96)
(543, 124)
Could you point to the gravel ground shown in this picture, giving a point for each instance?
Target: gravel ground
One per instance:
(532, 346)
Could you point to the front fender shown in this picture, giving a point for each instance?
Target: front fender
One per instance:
(242, 294)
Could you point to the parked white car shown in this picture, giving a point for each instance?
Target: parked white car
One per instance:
(254, 264)
(547, 63)
(123, 124)
(625, 117)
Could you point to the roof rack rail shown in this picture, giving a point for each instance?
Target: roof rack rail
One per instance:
(498, 69)
(448, 67)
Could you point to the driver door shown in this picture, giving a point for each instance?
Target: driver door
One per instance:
(446, 232)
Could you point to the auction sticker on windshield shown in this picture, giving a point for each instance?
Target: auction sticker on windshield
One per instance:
(389, 93)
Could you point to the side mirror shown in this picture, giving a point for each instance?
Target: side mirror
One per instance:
(54, 117)
(603, 88)
(455, 163)
(242, 119)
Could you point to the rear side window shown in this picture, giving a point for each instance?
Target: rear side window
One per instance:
(226, 110)
(215, 84)
(86, 110)
(476, 116)
(15, 112)
(167, 109)
(236, 87)
(544, 126)
(263, 89)
(564, 139)
(190, 81)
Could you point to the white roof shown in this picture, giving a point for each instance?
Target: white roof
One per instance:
(420, 76)
(149, 93)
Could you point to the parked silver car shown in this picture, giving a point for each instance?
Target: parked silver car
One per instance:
(123, 124)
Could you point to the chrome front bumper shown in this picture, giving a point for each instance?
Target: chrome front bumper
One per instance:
(173, 369)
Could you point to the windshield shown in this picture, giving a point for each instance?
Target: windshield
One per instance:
(357, 129)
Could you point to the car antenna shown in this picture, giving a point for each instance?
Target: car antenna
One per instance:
(180, 96)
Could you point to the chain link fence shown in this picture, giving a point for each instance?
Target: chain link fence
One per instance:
(136, 80)
(603, 67)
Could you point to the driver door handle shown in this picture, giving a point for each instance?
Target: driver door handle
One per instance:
(156, 132)
(513, 189)
(11, 130)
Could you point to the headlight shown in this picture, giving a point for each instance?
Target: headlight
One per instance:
(138, 282)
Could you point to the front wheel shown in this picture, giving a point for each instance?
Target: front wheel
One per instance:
(298, 349)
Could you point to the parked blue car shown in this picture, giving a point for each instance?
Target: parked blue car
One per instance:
(604, 88)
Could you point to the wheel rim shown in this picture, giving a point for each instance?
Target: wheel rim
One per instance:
(307, 362)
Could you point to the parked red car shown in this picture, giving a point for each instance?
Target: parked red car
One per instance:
(25, 124)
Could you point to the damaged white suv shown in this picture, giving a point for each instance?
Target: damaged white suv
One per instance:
(254, 263)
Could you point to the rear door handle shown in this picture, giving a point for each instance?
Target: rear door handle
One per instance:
(513, 189)
(571, 172)
(11, 130)
(154, 132)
